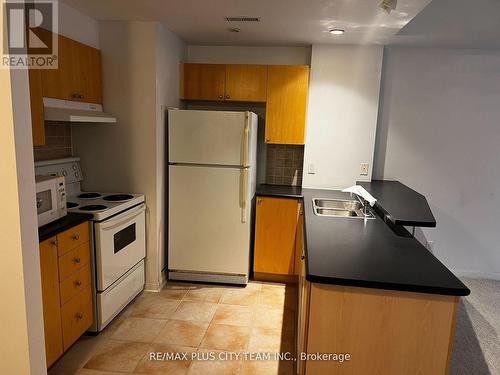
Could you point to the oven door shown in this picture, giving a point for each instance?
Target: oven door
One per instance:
(120, 243)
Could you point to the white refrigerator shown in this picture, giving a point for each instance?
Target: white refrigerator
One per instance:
(211, 184)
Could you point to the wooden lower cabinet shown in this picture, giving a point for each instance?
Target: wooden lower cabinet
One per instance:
(275, 231)
(66, 290)
(384, 332)
(51, 302)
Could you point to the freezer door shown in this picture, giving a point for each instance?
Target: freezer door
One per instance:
(208, 229)
(211, 137)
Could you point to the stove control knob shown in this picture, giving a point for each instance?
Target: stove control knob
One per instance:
(74, 167)
(64, 173)
(77, 175)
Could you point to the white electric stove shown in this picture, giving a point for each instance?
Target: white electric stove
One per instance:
(118, 239)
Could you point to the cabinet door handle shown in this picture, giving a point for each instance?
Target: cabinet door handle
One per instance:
(78, 283)
(75, 95)
(228, 97)
(259, 201)
(76, 260)
(302, 257)
(221, 97)
(268, 140)
(76, 237)
(79, 316)
(53, 243)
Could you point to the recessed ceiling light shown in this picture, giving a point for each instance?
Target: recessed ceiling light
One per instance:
(336, 31)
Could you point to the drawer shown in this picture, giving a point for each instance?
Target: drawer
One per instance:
(75, 283)
(73, 261)
(76, 236)
(76, 316)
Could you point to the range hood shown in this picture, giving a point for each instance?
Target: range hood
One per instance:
(76, 112)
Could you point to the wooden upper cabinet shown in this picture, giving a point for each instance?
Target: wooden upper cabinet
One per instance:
(275, 228)
(51, 300)
(36, 103)
(78, 76)
(287, 90)
(246, 83)
(203, 81)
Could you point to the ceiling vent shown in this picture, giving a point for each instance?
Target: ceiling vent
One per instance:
(242, 19)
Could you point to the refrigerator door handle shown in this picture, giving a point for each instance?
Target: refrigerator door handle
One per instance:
(246, 140)
(243, 193)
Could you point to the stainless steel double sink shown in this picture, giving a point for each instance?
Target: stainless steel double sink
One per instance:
(340, 208)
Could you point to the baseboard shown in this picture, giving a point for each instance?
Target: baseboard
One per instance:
(476, 274)
(269, 277)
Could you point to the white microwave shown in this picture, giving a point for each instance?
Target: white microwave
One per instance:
(50, 198)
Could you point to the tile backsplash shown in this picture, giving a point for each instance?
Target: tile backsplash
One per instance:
(284, 164)
(57, 142)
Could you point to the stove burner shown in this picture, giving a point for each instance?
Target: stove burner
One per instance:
(71, 205)
(93, 207)
(118, 197)
(89, 195)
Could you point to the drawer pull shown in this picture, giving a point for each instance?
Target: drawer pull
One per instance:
(77, 283)
(76, 260)
(76, 237)
(53, 243)
(79, 316)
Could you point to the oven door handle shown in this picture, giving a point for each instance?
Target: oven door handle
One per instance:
(122, 218)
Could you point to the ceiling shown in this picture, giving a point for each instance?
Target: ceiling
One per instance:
(283, 22)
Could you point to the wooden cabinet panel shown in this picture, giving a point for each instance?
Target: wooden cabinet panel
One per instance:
(78, 76)
(299, 241)
(89, 73)
(36, 101)
(287, 90)
(275, 226)
(72, 238)
(246, 83)
(51, 302)
(73, 261)
(74, 284)
(61, 83)
(385, 332)
(303, 316)
(203, 81)
(76, 317)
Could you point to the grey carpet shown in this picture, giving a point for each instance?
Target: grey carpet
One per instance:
(476, 349)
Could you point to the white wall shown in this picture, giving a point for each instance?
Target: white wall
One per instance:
(249, 55)
(170, 51)
(78, 26)
(22, 349)
(439, 133)
(140, 77)
(342, 114)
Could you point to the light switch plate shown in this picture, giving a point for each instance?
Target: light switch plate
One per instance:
(363, 169)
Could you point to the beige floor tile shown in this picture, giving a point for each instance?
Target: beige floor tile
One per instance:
(193, 310)
(233, 315)
(84, 371)
(154, 306)
(205, 294)
(226, 337)
(270, 340)
(214, 368)
(266, 317)
(243, 297)
(180, 332)
(138, 329)
(253, 285)
(118, 356)
(273, 297)
(175, 290)
(274, 287)
(147, 365)
(267, 368)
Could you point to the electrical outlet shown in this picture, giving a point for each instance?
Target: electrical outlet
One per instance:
(311, 169)
(363, 169)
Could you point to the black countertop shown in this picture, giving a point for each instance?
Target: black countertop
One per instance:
(399, 204)
(279, 191)
(64, 223)
(366, 253)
